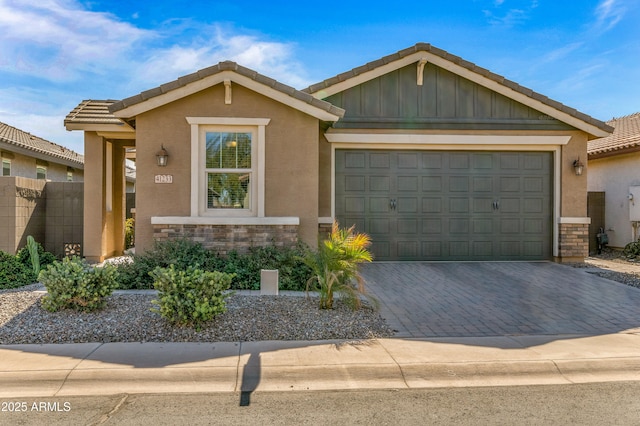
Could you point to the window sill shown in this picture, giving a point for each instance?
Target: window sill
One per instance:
(201, 220)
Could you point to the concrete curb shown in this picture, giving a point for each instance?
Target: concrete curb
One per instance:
(113, 368)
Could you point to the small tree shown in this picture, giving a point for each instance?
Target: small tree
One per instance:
(335, 267)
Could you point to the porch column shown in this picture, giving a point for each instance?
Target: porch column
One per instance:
(94, 208)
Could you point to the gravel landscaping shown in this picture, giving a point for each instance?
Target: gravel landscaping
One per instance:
(128, 318)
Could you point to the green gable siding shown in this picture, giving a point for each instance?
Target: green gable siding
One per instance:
(444, 101)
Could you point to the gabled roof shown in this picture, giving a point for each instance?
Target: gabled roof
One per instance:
(468, 70)
(25, 142)
(207, 77)
(625, 138)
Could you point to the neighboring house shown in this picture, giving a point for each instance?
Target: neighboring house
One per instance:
(614, 169)
(433, 156)
(27, 155)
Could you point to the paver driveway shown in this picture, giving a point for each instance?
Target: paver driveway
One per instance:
(425, 299)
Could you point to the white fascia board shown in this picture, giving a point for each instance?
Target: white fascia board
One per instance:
(97, 127)
(420, 139)
(117, 135)
(469, 75)
(228, 121)
(205, 83)
(202, 220)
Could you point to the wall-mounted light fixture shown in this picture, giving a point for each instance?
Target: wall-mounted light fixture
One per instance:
(162, 157)
(578, 167)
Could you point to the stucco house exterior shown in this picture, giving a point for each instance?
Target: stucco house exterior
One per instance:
(433, 156)
(614, 169)
(27, 155)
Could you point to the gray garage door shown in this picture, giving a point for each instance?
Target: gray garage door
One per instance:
(432, 205)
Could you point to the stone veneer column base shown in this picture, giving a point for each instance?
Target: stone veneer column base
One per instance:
(225, 238)
(573, 242)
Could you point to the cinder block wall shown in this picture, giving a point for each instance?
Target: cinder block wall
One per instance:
(51, 212)
(64, 215)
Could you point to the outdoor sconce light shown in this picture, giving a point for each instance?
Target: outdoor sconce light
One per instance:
(162, 157)
(578, 167)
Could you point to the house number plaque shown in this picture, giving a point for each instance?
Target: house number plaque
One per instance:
(164, 178)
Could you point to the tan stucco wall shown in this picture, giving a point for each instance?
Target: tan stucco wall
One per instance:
(291, 163)
(614, 175)
(574, 188)
(25, 166)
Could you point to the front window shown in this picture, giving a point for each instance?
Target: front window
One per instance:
(41, 172)
(228, 169)
(6, 167)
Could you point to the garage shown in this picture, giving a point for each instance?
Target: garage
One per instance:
(448, 205)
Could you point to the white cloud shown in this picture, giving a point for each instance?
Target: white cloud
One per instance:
(271, 58)
(57, 39)
(608, 14)
(561, 52)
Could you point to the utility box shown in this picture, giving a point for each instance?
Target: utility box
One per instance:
(634, 203)
(268, 282)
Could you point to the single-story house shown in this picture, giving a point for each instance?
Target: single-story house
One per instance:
(27, 155)
(614, 165)
(433, 156)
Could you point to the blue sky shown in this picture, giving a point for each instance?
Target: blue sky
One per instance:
(55, 53)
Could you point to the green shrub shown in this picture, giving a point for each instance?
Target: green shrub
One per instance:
(190, 297)
(14, 273)
(74, 284)
(179, 252)
(129, 232)
(293, 272)
(183, 253)
(25, 256)
(632, 250)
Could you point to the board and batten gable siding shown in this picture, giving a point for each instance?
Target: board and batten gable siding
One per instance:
(444, 101)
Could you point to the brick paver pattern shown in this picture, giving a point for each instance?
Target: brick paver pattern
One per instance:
(475, 299)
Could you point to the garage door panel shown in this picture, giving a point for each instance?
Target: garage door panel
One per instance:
(432, 183)
(354, 160)
(483, 205)
(458, 226)
(509, 161)
(354, 183)
(407, 205)
(379, 226)
(482, 248)
(355, 205)
(533, 226)
(482, 161)
(458, 205)
(459, 183)
(483, 184)
(459, 161)
(533, 205)
(407, 160)
(408, 250)
(432, 205)
(510, 184)
(408, 183)
(380, 249)
(380, 184)
(483, 226)
(432, 250)
(510, 205)
(432, 160)
(533, 184)
(408, 226)
(459, 249)
(379, 160)
(510, 226)
(379, 204)
(431, 226)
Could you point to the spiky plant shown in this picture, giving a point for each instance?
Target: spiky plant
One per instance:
(335, 267)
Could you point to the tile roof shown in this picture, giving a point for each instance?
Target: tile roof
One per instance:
(92, 112)
(216, 69)
(426, 47)
(25, 140)
(625, 138)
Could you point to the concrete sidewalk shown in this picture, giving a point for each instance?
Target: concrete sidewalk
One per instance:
(112, 368)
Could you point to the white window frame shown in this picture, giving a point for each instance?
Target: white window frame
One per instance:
(199, 127)
(6, 161)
